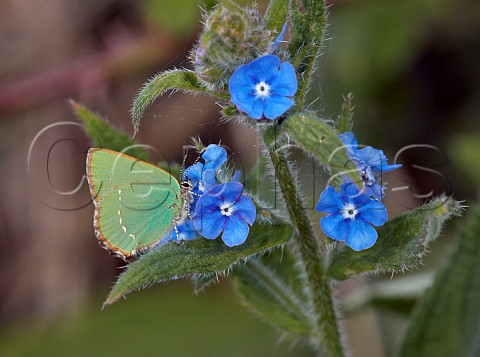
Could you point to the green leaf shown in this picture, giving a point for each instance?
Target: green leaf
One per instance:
(345, 120)
(276, 15)
(399, 294)
(318, 139)
(172, 80)
(447, 320)
(264, 285)
(198, 256)
(402, 242)
(201, 281)
(304, 62)
(309, 21)
(103, 135)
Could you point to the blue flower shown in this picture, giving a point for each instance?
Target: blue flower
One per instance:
(351, 215)
(204, 176)
(224, 208)
(183, 231)
(279, 38)
(263, 87)
(371, 163)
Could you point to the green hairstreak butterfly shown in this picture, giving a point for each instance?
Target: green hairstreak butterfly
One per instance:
(136, 203)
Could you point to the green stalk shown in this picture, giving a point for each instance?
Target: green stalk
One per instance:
(327, 336)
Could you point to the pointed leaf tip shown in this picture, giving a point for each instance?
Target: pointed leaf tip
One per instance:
(182, 80)
(103, 135)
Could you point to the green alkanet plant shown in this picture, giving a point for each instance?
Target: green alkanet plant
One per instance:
(261, 81)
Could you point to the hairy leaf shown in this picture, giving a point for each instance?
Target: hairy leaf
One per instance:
(103, 135)
(276, 15)
(318, 139)
(264, 286)
(447, 321)
(309, 22)
(402, 242)
(345, 120)
(201, 281)
(198, 256)
(183, 80)
(399, 294)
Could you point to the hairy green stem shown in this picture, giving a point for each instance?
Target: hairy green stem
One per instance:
(327, 336)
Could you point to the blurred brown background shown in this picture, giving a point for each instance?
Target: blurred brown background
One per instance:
(412, 65)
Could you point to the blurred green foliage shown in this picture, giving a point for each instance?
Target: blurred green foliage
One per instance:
(378, 41)
(464, 151)
(175, 16)
(178, 17)
(165, 320)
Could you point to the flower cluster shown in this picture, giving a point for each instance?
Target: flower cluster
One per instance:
(215, 207)
(352, 213)
(264, 88)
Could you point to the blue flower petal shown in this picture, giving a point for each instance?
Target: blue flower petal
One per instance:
(225, 192)
(371, 157)
(330, 201)
(184, 231)
(376, 159)
(265, 68)
(349, 140)
(209, 225)
(248, 103)
(209, 179)
(342, 224)
(334, 226)
(373, 212)
(279, 78)
(385, 167)
(375, 190)
(207, 204)
(280, 36)
(236, 231)
(237, 176)
(286, 82)
(215, 156)
(193, 173)
(353, 194)
(240, 80)
(360, 235)
(274, 106)
(245, 208)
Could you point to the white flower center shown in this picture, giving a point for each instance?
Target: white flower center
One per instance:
(349, 211)
(262, 90)
(227, 209)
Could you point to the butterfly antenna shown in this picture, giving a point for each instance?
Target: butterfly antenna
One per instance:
(182, 169)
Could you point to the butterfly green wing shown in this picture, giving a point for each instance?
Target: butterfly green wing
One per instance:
(136, 202)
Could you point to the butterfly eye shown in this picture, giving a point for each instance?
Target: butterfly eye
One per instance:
(187, 185)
